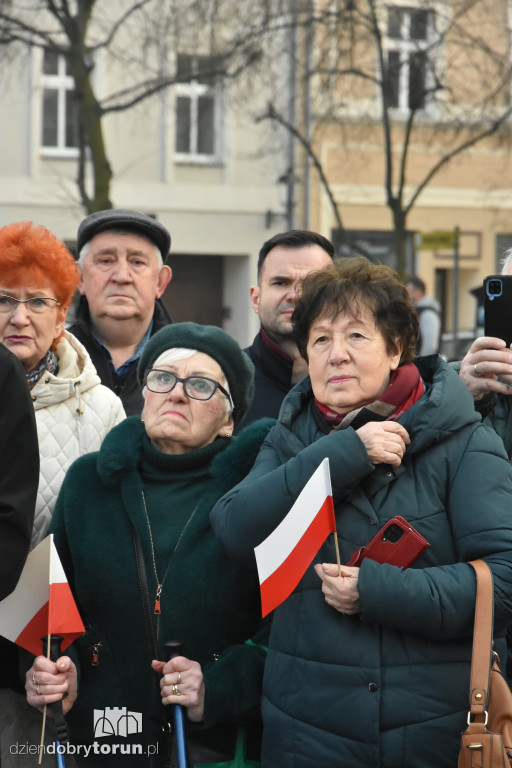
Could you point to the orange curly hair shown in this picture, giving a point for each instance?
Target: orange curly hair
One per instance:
(31, 256)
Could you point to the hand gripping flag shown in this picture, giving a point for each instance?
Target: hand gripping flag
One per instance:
(284, 556)
(41, 604)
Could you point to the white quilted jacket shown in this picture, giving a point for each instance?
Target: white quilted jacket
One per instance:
(74, 412)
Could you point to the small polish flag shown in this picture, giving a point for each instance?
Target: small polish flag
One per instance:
(284, 556)
(41, 604)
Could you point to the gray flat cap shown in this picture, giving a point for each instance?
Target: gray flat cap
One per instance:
(122, 218)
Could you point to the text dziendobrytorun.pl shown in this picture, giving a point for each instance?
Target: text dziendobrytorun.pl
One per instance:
(84, 750)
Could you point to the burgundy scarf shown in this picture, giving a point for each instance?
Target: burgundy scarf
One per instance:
(405, 388)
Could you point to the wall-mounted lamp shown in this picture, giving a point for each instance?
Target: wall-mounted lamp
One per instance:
(272, 216)
(287, 180)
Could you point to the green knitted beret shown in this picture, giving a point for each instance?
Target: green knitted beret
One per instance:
(213, 341)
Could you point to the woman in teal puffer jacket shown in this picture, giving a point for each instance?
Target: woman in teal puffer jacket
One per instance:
(371, 667)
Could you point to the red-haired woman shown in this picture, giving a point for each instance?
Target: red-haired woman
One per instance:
(74, 412)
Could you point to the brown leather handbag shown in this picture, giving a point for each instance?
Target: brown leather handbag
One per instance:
(487, 741)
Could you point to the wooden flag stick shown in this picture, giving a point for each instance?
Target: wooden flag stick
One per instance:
(337, 551)
(44, 713)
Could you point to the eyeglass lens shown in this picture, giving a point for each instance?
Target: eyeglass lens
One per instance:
(197, 387)
(36, 305)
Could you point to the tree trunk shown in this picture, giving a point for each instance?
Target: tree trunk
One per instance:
(399, 221)
(100, 166)
(93, 155)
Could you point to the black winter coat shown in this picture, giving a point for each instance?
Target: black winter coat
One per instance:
(272, 381)
(19, 479)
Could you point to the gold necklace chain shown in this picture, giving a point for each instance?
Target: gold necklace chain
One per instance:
(158, 584)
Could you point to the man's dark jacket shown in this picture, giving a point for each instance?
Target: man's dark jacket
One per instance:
(19, 452)
(272, 380)
(126, 387)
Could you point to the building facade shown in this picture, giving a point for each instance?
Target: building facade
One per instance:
(191, 154)
(415, 106)
(404, 106)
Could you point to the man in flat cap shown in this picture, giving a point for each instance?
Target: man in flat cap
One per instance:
(121, 255)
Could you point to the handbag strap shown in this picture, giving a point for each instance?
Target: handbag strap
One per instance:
(482, 640)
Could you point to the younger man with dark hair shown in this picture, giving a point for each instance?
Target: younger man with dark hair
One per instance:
(284, 260)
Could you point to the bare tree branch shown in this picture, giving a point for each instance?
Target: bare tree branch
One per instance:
(273, 114)
(492, 129)
(118, 25)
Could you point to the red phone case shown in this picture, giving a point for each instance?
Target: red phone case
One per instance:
(402, 552)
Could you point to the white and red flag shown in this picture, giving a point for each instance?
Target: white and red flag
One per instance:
(41, 604)
(284, 556)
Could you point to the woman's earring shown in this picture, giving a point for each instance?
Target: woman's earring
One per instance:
(227, 435)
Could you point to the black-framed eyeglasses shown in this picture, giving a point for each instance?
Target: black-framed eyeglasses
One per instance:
(36, 306)
(196, 387)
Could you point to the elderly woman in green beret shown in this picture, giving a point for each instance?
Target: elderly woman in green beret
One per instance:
(131, 528)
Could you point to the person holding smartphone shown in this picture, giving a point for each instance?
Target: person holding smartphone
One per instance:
(368, 665)
(486, 370)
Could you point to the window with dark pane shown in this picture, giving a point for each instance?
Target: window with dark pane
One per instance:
(205, 123)
(196, 97)
(417, 69)
(49, 118)
(409, 51)
(184, 67)
(182, 124)
(419, 25)
(395, 23)
(50, 62)
(59, 130)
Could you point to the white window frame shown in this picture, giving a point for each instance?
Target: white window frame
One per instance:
(63, 84)
(193, 90)
(406, 46)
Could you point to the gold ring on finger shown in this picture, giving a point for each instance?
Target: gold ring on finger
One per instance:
(179, 678)
(475, 369)
(34, 678)
(175, 691)
(38, 690)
